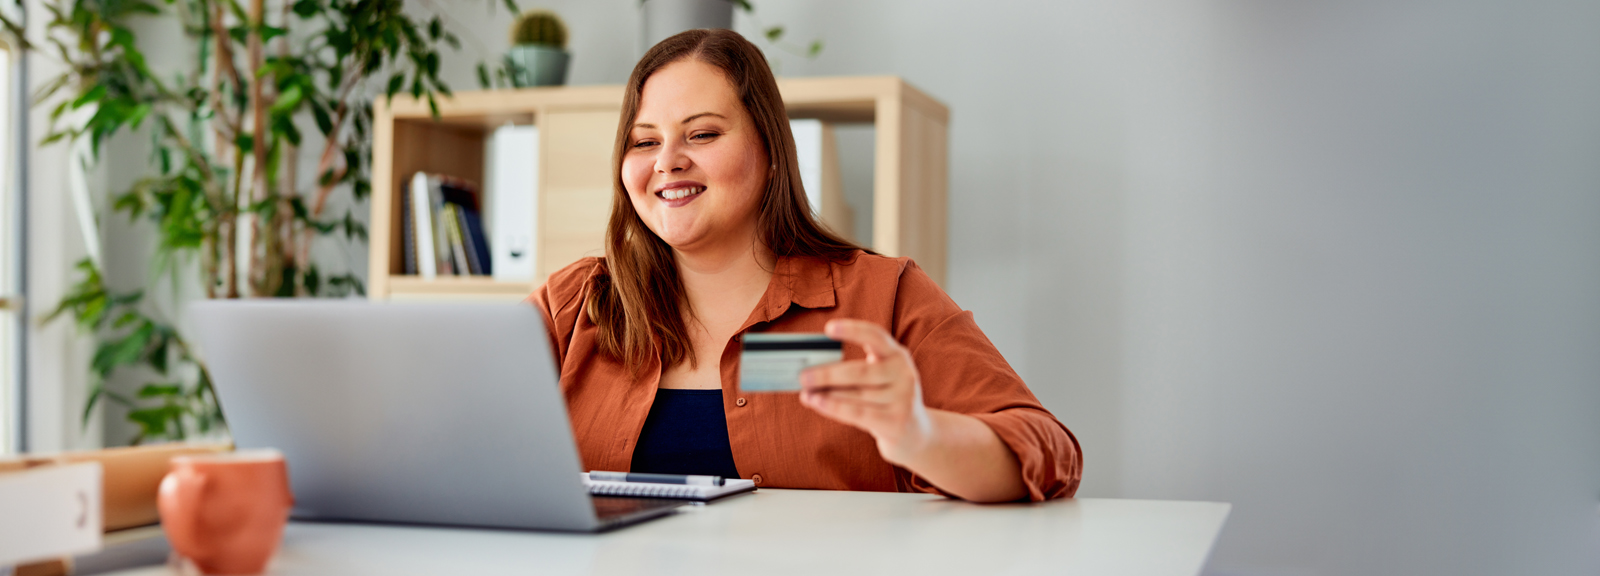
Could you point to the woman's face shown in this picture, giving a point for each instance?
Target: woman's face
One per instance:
(694, 167)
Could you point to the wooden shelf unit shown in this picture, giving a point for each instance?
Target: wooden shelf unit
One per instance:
(576, 128)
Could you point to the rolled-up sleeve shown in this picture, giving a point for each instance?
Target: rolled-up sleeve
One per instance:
(560, 300)
(963, 372)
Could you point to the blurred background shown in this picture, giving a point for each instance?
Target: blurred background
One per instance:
(1337, 263)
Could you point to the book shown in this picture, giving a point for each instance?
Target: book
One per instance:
(422, 211)
(408, 235)
(453, 235)
(443, 209)
(441, 241)
(475, 261)
(676, 491)
(462, 196)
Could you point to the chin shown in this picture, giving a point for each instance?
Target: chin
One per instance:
(677, 237)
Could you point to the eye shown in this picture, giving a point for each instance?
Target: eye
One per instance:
(704, 136)
(643, 144)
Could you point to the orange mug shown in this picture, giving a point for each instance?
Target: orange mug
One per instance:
(226, 512)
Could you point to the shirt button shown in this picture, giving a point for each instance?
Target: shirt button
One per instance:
(756, 478)
(739, 402)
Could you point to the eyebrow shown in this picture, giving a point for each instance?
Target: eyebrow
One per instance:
(685, 120)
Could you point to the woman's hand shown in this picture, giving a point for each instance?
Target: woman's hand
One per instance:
(880, 394)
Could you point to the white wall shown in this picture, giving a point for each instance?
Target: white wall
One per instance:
(1334, 262)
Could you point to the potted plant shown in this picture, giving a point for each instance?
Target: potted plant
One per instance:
(538, 55)
(661, 19)
(664, 18)
(233, 216)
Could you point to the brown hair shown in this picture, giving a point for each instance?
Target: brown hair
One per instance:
(637, 304)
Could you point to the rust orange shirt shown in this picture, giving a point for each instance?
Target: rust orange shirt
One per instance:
(775, 440)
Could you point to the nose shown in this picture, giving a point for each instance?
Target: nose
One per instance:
(671, 158)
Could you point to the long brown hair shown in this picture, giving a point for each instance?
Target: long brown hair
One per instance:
(637, 305)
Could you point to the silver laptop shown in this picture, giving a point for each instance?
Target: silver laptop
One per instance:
(411, 413)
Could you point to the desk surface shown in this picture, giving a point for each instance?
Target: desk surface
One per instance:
(793, 532)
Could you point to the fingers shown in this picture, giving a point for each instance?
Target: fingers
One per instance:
(848, 373)
(846, 409)
(872, 337)
(876, 394)
(879, 395)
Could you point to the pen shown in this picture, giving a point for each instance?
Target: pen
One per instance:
(691, 480)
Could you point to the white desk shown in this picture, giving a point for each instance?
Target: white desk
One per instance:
(793, 532)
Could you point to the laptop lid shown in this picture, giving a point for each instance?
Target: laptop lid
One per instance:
(414, 413)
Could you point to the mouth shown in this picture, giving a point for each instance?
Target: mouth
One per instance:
(680, 192)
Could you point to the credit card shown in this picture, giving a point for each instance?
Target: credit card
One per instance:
(772, 361)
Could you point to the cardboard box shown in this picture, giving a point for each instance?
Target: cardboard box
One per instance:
(131, 477)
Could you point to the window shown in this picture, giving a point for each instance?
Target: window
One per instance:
(11, 314)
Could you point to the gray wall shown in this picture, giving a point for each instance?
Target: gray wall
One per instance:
(1337, 263)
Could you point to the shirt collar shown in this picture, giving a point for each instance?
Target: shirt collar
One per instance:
(799, 280)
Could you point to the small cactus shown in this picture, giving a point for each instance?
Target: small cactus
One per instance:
(541, 27)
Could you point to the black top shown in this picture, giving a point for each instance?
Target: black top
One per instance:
(686, 433)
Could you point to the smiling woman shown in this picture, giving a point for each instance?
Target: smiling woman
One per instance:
(671, 138)
(711, 237)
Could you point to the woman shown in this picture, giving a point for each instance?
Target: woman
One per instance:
(711, 237)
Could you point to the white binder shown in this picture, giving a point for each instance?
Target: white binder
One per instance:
(513, 191)
(808, 151)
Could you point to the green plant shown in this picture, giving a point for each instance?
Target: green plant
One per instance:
(225, 192)
(539, 27)
(164, 409)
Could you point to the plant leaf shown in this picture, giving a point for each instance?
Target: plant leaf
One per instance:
(160, 390)
(270, 32)
(137, 115)
(93, 95)
(95, 392)
(320, 114)
(396, 81)
(287, 100)
(152, 421)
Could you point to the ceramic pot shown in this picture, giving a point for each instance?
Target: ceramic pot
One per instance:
(226, 512)
(537, 65)
(663, 18)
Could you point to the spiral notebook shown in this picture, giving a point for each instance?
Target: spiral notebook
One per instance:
(676, 491)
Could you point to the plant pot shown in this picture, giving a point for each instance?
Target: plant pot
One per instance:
(663, 18)
(534, 65)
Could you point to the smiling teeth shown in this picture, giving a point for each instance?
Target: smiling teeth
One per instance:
(677, 193)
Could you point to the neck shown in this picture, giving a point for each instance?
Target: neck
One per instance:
(728, 279)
